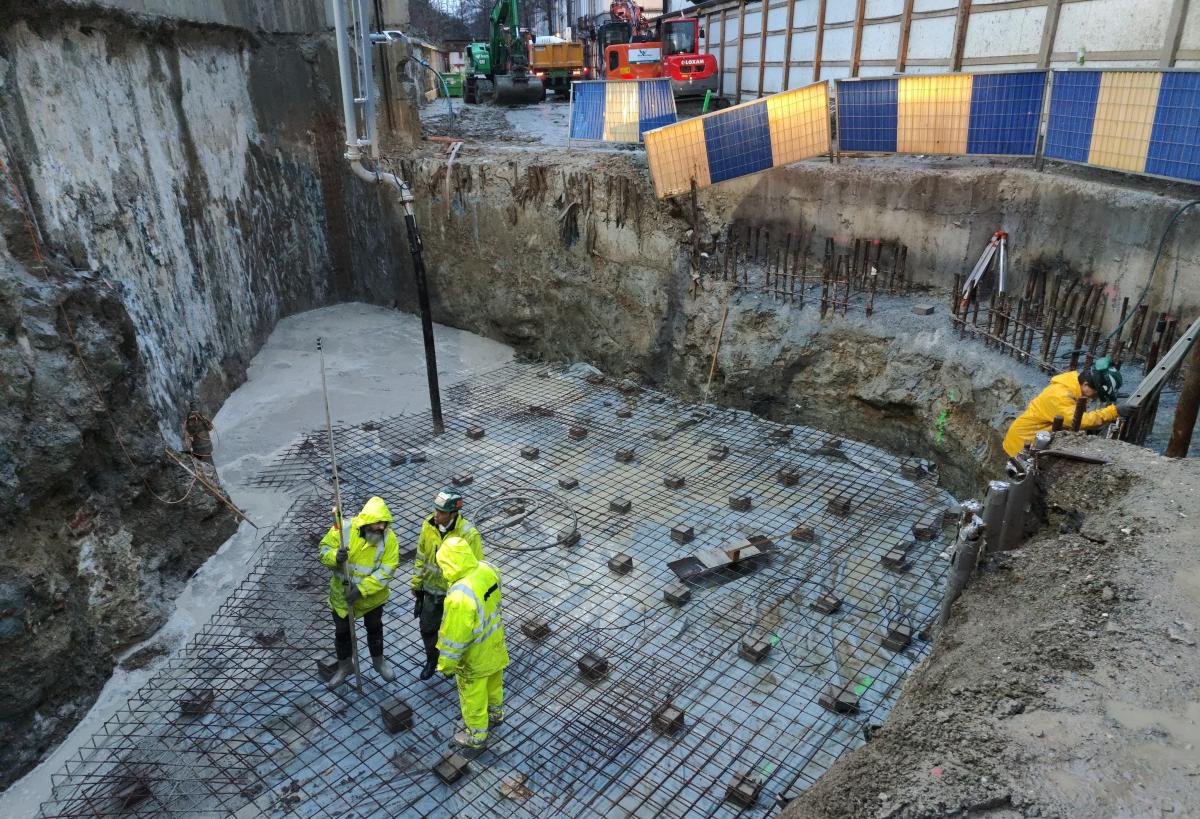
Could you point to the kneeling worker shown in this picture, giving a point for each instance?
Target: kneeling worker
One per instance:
(363, 568)
(471, 640)
(1101, 380)
(428, 584)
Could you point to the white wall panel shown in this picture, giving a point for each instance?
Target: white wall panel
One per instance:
(884, 8)
(880, 42)
(777, 19)
(775, 44)
(838, 43)
(931, 38)
(804, 46)
(773, 80)
(840, 11)
(1112, 25)
(1004, 33)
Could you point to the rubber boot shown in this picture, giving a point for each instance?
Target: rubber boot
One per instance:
(495, 715)
(345, 669)
(431, 658)
(470, 740)
(383, 669)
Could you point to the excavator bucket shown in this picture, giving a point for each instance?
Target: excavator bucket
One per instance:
(518, 90)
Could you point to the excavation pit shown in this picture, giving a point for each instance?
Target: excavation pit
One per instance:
(585, 742)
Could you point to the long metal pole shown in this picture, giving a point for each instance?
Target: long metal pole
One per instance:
(337, 521)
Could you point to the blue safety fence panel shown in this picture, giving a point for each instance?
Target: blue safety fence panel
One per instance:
(620, 110)
(656, 105)
(1005, 112)
(1072, 114)
(738, 142)
(587, 111)
(866, 115)
(1175, 138)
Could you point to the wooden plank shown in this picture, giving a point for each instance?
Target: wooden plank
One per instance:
(737, 82)
(762, 49)
(820, 41)
(787, 46)
(721, 58)
(856, 53)
(960, 34)
(1049, 32)
(905, 27)
(1179, 10)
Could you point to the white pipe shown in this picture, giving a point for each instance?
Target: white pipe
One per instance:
(343, 52)
(367, 86)
(368, 175)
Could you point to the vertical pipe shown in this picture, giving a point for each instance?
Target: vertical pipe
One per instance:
(993, 513)
(1057, 424)
(1077, 418)
(343, 52)
(1185, 411)
(1016, 510)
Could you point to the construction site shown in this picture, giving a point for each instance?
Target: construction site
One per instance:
(791, 401)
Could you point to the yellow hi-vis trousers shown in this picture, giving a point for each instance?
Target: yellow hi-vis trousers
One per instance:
(479, 697)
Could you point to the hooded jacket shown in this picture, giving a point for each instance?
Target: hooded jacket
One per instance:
(368, 567)
(427, 577)
(471, 639)
(1058, 398)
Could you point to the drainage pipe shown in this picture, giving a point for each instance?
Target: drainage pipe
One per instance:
(962, 564)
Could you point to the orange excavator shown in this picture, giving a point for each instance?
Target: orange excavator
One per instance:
(627, 46)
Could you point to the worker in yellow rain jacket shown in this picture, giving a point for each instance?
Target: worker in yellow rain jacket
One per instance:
(471, 640)
(1101, 380)
(362, 571)
(428, 584)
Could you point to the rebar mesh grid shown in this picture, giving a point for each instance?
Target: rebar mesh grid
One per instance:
(241, 724)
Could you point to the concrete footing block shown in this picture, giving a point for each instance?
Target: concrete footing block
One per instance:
(741, 503)
(718, 452)
(530, 453)
(898, 636)
(666, 719)
(826, 604)
(577, 432)
(620, 563)
(682, 533)
(474, 433)
(674, 481)
(788, 476)
(327, 666)
(196, 701)
(754, 647)
(677, 594)
(568, 483)
(620, 506)
(624, 455)
(536, 629)
(839, 700)
(452, 767)
(462, 480)
(744, 789)
(839, 506)
(592, 666)
(923, 309)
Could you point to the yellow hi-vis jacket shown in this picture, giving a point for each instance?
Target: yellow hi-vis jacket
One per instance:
(1058, 398)
(471, 639)
(427, 577)
(369, 567)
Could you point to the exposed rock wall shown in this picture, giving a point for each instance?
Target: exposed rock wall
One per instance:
(171, 190)
(571, 258)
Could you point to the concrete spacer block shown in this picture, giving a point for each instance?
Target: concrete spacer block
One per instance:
(326, 666)
(530, 453)
(677, 594)
(397, 716)
(624, 413)
(595, 379)
(740, 503)
(898, 637)
(540, 410)
(568, 483)
(536, 629)
(416, 456)
(474, 433)
(926, 529)
(659, 434)
(788, 477)
(682, 533)
(718, 452)
(624, 455)
(923, 309)
(804, 534)
(666, 719)
(744, 789)
(397, 457)
(577, 432)
(592, 666)
(894, 560)
(620, 563)
(196, 701)
(839, 700)
(826, 604)
(839, 506)
(674, 481)
(567, 537)
(620, 505)
(754, 647)
(462, 480)
(452, 768)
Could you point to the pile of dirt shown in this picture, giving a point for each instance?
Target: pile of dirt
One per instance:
(1066, 681)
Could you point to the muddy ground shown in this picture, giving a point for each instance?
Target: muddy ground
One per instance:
(1067, 681)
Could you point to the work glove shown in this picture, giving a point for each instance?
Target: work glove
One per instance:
(418, 600)
(352, 594)
(343, 552)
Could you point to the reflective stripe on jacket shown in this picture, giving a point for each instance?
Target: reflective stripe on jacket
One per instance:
(1058, 398)
(371, 568)
(427, 576)
(471, 639)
